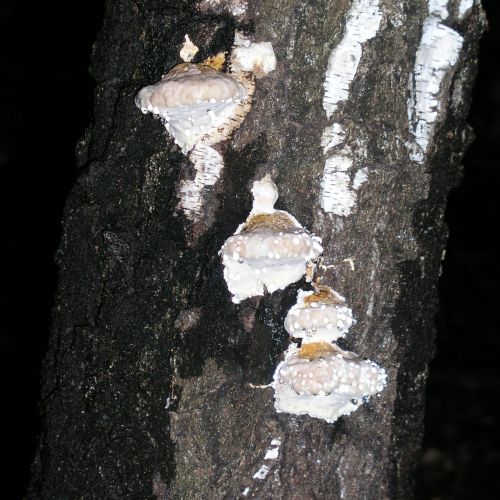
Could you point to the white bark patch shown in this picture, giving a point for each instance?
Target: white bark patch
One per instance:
(208, 164)
(362, 24)
(271, 455)
(338, 194)
(464, 6)
(333, 135)
(360, 178)
(438, 8)
(262, 472)
(436, 56)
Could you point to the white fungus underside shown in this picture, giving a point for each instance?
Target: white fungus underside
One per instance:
(199, 122)
(262, 260)
(199, 107)
(252, 278)
(328, 408)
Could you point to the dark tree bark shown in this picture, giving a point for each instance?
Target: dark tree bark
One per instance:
(149, 381)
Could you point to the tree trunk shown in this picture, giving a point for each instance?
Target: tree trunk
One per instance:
(149, 384)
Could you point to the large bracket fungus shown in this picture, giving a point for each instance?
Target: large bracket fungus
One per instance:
(197, 104)
(323, 381)
(269, 250)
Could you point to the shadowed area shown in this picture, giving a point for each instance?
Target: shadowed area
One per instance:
(461, 454)
(46, 105)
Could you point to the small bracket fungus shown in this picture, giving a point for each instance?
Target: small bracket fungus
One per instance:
(319, 316)
(323, 381)
(269, 250)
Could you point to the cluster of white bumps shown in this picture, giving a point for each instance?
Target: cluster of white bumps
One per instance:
(318, 321)
(332, 384)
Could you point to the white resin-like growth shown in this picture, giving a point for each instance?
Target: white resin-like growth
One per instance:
(269, 251)
(319, 316)
(327, 386)
(362, 23)
(189, 50)
(258, 58)
(437, 54)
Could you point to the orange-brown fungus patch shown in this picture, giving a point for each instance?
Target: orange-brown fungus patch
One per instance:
(276, 222)
(215, 62)
(322, 294)
(316, 350)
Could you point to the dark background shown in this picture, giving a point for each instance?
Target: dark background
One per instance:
(46, 103)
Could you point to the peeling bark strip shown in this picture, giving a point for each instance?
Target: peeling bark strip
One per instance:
(362, 24)
(143, 315)
(437, 54)
(338, 194)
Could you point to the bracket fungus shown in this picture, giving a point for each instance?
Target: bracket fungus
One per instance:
(269, 250)
(319, 315)
(197, 103)
(201, 106)
(323, 381)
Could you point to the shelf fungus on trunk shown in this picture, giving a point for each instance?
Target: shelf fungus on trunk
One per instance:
(200, 106)
(197, 103)
(323, 381)
(269, 250)
(319, 316)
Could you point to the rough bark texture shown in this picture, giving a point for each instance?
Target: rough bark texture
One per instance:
(143, 315)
